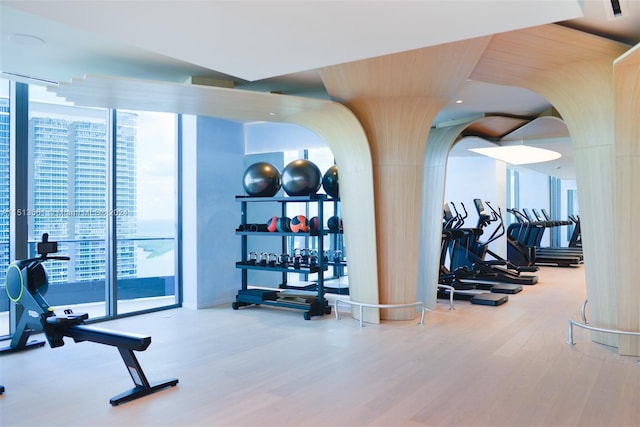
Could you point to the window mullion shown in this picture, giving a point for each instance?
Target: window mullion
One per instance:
(18, 179)
(111, 259)
(19, 169)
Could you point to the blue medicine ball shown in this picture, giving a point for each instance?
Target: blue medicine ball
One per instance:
(284, 224)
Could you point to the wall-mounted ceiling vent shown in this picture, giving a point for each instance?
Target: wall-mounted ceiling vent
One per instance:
(617, 9)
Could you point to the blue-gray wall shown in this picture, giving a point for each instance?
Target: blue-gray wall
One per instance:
(212, 168)
(272, 137)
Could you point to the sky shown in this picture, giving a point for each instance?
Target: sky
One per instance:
(156, 166)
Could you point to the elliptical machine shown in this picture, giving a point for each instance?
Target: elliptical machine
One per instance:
(27, 283)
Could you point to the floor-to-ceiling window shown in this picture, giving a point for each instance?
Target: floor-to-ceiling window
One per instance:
(145, 209)
(95, 177)
(67, 190)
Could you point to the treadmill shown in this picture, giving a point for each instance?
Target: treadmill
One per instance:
(544, 217)
(528, 233)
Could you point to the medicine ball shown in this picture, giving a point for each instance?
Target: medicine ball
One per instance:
(284, 224)
(314, 223)
(334, 223)
(261, 179)
(330, 182)
(301, 178)
(299, 224)
(272, 224)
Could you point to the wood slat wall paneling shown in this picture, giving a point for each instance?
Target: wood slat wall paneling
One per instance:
(627, 131)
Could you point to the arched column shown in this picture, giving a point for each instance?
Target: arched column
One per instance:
(396, 98)
(439, 144)
(348, 142)
(626, 73)
(574, 71)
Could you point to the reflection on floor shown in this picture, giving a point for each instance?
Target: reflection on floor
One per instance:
(473, 366)
(97, 310)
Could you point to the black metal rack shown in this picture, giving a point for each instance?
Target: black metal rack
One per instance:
(313, 303)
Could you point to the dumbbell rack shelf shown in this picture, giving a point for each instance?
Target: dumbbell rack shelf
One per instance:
(268, 233)
(312, 303)
(302, 269)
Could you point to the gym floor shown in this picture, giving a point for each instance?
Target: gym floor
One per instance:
(474, 366)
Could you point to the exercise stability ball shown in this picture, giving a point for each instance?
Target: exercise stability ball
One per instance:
(330, 182)
(301, 178)
(261, 179)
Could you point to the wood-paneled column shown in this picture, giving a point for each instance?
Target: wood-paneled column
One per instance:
(626, 73)
(439, 144)
(574, 71)
(397, 130)
(344, 134)
(396, 98)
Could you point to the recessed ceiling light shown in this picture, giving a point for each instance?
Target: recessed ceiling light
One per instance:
(26, 39)
(518, 154)
(459, 101)
(272, 114)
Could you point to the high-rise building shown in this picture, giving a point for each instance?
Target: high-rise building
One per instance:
(87, 198)
(126, 196)
(4, 184)
(68, 189)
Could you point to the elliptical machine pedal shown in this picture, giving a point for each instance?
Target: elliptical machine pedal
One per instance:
(489, 298)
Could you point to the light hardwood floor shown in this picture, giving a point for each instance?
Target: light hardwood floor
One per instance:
(475, 366)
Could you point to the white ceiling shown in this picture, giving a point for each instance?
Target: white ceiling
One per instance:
(276, 45)
(255, 40)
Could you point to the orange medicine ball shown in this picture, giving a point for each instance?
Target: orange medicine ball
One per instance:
(299, 224)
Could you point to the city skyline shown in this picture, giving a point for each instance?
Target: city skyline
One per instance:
(68, 188)
(82, 176)
(68, 181)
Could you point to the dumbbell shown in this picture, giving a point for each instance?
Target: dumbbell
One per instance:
(264, 258)
(284, 260)
(273, 259)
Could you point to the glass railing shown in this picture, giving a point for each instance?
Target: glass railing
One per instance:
(150, 281)
(146, 277)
